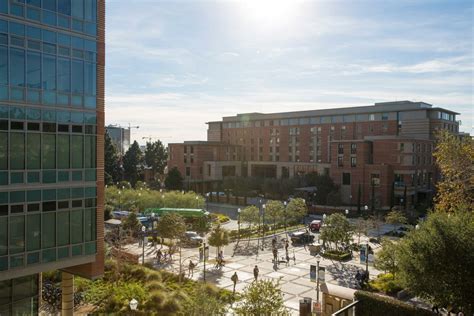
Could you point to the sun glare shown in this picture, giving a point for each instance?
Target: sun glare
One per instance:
(270, 12)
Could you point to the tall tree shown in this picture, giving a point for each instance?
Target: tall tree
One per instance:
(219, 237)
(455, 158)
(435, 261)
(386, 258)
(156, 156)
(395, 218)
(264, 298)
(337, 230)
(174, 180)
(296, 209)
(111, 161)
(274, 210)
(132, 163)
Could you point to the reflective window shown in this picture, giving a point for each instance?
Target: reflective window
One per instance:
(63, 151)
(49, 151)
(77, 77)
(77, 150)
(17, 66)
(3, 65)
(17, 151)
(76, 226)
(34, 70)
(63, 228)
(48, 232)
(49, 72)
(33, 238)
(64, 74)
(17, 234)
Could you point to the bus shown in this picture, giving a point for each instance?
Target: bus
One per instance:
(185, 212)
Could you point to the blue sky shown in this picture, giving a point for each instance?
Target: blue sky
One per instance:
(174, 65)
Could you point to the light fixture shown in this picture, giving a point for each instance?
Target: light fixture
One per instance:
(133, 304)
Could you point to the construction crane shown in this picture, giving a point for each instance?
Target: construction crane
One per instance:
(150, 138)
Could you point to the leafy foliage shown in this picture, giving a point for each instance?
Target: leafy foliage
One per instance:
(263, 297)
(174, 180)
(133, 163)
(275, 210)
(386, 283)
(386, 258)
(111, 161)
(296, 209)
(219, 237)
(374, 304)
(455, 158)
(171, 226)
(436, 260)
(336, 231)
(250, 215)
(156, 156)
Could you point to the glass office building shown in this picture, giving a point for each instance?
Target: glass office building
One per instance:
(51, 123)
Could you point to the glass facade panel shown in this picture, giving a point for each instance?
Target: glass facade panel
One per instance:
(77, 227)
(49, 151)
(3, 235)
(64, 74)
(17, 234)
(3, 65)
(34, 70)
(49, 72)
(48, 233)
(63, 151)
(33, 151)
(77, 150)
(17, 151)
(33, 237)
(63, 228)
(3, 151)
(17, 67)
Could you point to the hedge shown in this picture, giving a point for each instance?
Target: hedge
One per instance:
(339, 256)
(374, 304)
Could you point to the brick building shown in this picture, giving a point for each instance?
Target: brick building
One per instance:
(383, 148)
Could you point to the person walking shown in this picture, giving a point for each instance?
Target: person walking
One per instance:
(159, 254)
(275, 255)
(191, 268)
(255, 272)
(234, 279)
(287, 244)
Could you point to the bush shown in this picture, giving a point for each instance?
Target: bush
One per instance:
(337, 255)
(385, 283)
(220, 218)
(375, 304)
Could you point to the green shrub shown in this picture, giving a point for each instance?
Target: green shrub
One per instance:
(375, 304)
(337, 255)
(385, 283)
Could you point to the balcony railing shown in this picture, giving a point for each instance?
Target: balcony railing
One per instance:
(349, 310)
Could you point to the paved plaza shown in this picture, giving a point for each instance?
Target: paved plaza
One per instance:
(294, 277)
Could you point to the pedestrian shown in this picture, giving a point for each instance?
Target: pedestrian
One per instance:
(275, 255)
(170, 254)
(274, 242)
(287, 244)
(358, 278)
(159, 254)
(234, 279)
(287, 259)
(191, 268)
(255, 272)
(435, 309)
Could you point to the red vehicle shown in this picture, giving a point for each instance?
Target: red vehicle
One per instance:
(315, 225)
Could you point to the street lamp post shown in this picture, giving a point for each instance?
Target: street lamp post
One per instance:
(143, 244)
(207, 201)
(197, 201)
(367, 259)
(120, 199)
(263, 225)
(401, 203)
(204, 258)
(238, 222)
(318, 259)
(284, 214)
(347, 213)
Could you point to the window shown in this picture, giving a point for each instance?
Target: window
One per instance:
(340, 149)
(77, 152)
(17, 151)
(63, 228)
(89, 152)
(17, 67)
(188, 171)
(346, 178)
(3, 236)
(63, 151)
(17, 234)
(49, 151)
(89, 224)
(353, 149)
(353, 162)
(77, 226)
(384, 116)
(3, 151)
(64, 75)
(340, 162)
(33, 70)
(3, 65)
(77, 77)
(372, 117)
(375, 179)
(49, 72)
(402, 146)
(33, 232)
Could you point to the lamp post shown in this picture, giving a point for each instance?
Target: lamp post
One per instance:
(367, 258)
(238, 222)
(197, 201)
(204, 258)
(318, 259)
(347, 212)
(143, 244)
(263, 225)
(120, 199)
(284, 214)
(207, 201)
(401, 203)
(133, 305)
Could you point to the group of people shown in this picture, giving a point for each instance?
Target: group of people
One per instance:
(164, 256)
(275, 251)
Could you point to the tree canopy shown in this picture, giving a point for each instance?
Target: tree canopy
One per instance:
(112, 168)
(133, 163)
(435, 261)
(337, 230)
(171, 226)
(219, 237)
(455, 159)
(156, 156)
(386, 258)
(263, 297)
(274, 210)
(250, 215)
(296, 209)
(174, 180)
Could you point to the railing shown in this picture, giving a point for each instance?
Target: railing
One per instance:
(349, 310)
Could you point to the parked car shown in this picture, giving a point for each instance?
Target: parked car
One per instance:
(301, 237)
(315, 225)
(192, 238)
